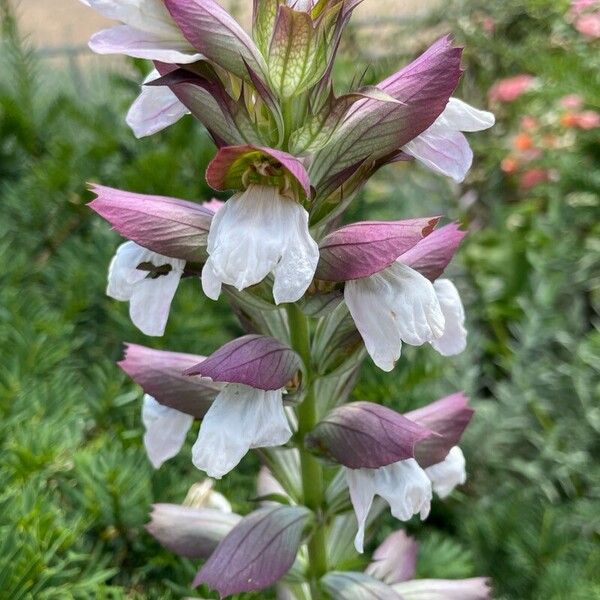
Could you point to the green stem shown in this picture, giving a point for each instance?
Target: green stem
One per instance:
(312, 472)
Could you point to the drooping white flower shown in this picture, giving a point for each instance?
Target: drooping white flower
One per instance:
(258, 232)
(442, 147)
(240, 418)
(148, 281)
(147, 31)
(166, 429)
(154, 109)
(454, 339)
(445, 476)
(393, 306)
(404, 485)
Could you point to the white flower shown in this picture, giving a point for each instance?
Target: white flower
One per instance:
(240, 418)
(148, 31)
(154, 109)
(393, 306)
(404, 485)
(203, 495)
(257, 232)
(149, 290)
(166, 429)
(442, 147)
(454, 339)
(445, 476)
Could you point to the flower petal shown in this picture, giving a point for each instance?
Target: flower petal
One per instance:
(122, 271)
(166, 430)
(167, 226)
(366, 435)
(190, 532)
(443, 150)
(406, 488)
(433, 254)
(123, 39)
(449, 417)
(363, 249)
(257, 552)
(395, 560)
(258, 361)
(346, 585)
(252, 234)
(460, 116)
(361, 485)
(240, 418)
(154, 109)
(454, 339)
(444, 589)
(151, 298)
(160, 373)
(445, 476)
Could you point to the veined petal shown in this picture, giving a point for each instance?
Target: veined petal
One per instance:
(374, 320)
(404, 485)
(123, 273)
(151, 299)
(460, 116)
(123, 39)
(240, 418)
(361, 485)
(476, 588)
(258, 232)
(445, 476)
(395, 560)
(406, 488)
(454, 339)
(443, 150)
(396, 304)
(148, 31)
(166, 429)
(154, 109)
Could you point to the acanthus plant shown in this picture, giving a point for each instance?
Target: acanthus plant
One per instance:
(315, 297)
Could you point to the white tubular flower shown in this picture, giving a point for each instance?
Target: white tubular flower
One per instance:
(166, 429)
(240, 418)
(445, 476)
(393, 306)
(404, 485)
(147, 31)
(148, 281)
(442, 147)
(258, 232)
(154, 109)
(202, 495)
(454, 339)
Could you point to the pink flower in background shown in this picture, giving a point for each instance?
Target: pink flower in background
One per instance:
(589, 25)
(571, 102)
(587, 119)
(488, 24)
(508, 90)
(533, 177)
(529, 123)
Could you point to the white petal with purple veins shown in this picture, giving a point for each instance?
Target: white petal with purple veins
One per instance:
(154, 109)
(258, 232)
(397, 304)
(149, 296)
(445, 476)
(454, 339)
(166, 429)
(148, 31)
(404, 485)
(239, 419)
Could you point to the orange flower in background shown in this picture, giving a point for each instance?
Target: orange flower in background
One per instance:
(568, 119)
(509, 165)
(508, 90)
(523, 141)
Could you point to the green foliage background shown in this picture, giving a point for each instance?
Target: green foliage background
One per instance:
(75, 486)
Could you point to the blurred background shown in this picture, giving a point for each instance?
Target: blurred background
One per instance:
(75, 485)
